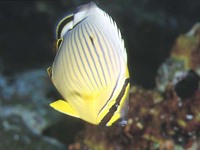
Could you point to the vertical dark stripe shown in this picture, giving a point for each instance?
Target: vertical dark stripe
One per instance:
(67, 66)
(69, 50)
(80, 58)
(88, 49)
(64, 64)
(97, 53)
(100, 42)
(76, 57)
(59, 67)
(111, 40)
(106, 45)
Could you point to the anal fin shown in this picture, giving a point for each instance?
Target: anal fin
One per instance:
(64, 107)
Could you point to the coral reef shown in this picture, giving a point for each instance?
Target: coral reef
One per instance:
(154, 122)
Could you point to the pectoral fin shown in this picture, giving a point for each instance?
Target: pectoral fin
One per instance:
(64, 107)
(49, 72)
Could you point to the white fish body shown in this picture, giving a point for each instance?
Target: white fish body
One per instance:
(90, 68)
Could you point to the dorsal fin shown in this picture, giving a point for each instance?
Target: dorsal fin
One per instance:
(83, 12)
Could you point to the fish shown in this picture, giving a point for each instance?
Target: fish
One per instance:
(90, 68)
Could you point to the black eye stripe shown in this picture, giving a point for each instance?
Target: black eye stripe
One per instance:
(62, 24)
(112, 110)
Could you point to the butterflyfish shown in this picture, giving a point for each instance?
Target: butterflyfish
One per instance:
(90, 67)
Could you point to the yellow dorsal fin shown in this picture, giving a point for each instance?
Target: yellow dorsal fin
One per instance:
(64, 107)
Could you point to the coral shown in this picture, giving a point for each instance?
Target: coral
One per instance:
(187, 48)
(184, 58)
(154, 122)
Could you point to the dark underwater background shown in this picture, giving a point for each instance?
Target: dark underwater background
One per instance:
(27, 36)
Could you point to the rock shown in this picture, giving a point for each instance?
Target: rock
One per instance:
(31, 84)
(25, 110)
(15, 135)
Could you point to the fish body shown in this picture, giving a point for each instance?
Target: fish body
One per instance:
(90, 67)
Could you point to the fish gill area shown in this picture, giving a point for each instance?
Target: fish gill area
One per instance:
(162, 39)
